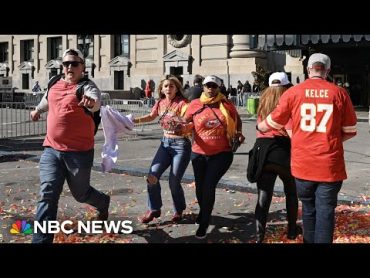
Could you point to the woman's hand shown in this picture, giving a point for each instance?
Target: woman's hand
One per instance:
(240, 136)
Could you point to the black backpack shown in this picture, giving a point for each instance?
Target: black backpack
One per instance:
(79, 92)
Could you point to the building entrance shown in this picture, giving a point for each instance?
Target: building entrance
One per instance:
(350, 69)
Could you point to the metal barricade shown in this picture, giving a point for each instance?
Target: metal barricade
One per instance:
(16, 121)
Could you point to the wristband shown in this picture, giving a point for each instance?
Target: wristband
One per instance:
(258, 129)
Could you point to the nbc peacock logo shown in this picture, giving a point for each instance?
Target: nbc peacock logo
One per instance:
(21, 227)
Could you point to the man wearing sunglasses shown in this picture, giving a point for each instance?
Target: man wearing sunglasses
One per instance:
(69, 143)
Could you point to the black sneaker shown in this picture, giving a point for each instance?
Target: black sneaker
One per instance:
(294, 232)
(197, 220)
(201, 232)
(103, 214)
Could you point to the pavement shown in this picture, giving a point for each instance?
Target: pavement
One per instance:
(232, 218)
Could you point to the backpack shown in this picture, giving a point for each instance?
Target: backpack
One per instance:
(79, 93)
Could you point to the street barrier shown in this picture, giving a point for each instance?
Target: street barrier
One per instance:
(15, 118)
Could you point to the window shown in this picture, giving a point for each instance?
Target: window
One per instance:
(55, 48)
(4, 48)
(27, 50)
(122, 45)
(85, 43)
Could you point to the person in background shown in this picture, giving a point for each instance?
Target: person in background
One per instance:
(36, 88)
(174, 149)
(239, 90)
(195, 91)
(233, 94)
(323, 118)
(223, 88)
(247, 87)
(149, 93)
(273, 151)
(186, 86)
(69, 143)
(214, 121)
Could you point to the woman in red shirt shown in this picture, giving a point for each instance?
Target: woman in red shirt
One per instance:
(174, 150)
(214, 121)
(274, 158)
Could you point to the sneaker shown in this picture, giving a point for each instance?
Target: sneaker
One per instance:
(176, 217)
(197, 220)
(260, 237)
(103, 214)
(150, 215)
(294, 232)
(201, 232)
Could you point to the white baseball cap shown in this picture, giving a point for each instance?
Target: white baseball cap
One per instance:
(74, 52)
(319, 58)
(282, 77)
(212, 79)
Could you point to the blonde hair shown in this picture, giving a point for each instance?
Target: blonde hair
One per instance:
(269, 99)
(177, 83)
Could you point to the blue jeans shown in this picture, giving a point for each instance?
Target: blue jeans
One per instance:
(319, 200)
(208, 170)
(174, 152)
(55, 168)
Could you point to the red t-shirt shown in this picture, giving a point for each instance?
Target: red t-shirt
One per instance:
(321, 113)
(148, 91)
(167, 110)
(69, 127)
(209, 134)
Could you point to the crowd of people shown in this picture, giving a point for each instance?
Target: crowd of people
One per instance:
(200, 124)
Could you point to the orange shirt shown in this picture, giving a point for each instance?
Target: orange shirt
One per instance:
(321, 113)
(209, 134)
(69, 127)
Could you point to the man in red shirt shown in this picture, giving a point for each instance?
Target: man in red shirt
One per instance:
(323, 117)
(69, 143)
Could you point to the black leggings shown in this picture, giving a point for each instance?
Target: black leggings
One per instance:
(208, 170)
(265, 186)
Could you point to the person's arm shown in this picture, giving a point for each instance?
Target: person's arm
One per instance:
(239, 126)
(263, 127)
(144, 119)
(347, 136)
(42, 107)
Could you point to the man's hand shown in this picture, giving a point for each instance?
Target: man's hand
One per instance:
(35, 115)
(86, 101)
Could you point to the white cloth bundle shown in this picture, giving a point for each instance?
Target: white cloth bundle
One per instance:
(113, 123)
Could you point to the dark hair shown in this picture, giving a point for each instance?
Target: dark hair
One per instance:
(198, 79)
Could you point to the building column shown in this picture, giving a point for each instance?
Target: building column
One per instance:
(242, 48)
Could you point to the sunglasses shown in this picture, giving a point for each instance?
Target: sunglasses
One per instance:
(72, 63)
(212, 85)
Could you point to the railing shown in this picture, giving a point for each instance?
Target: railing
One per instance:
(15, 118)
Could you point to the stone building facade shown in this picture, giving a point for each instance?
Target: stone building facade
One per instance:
(121, 62)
